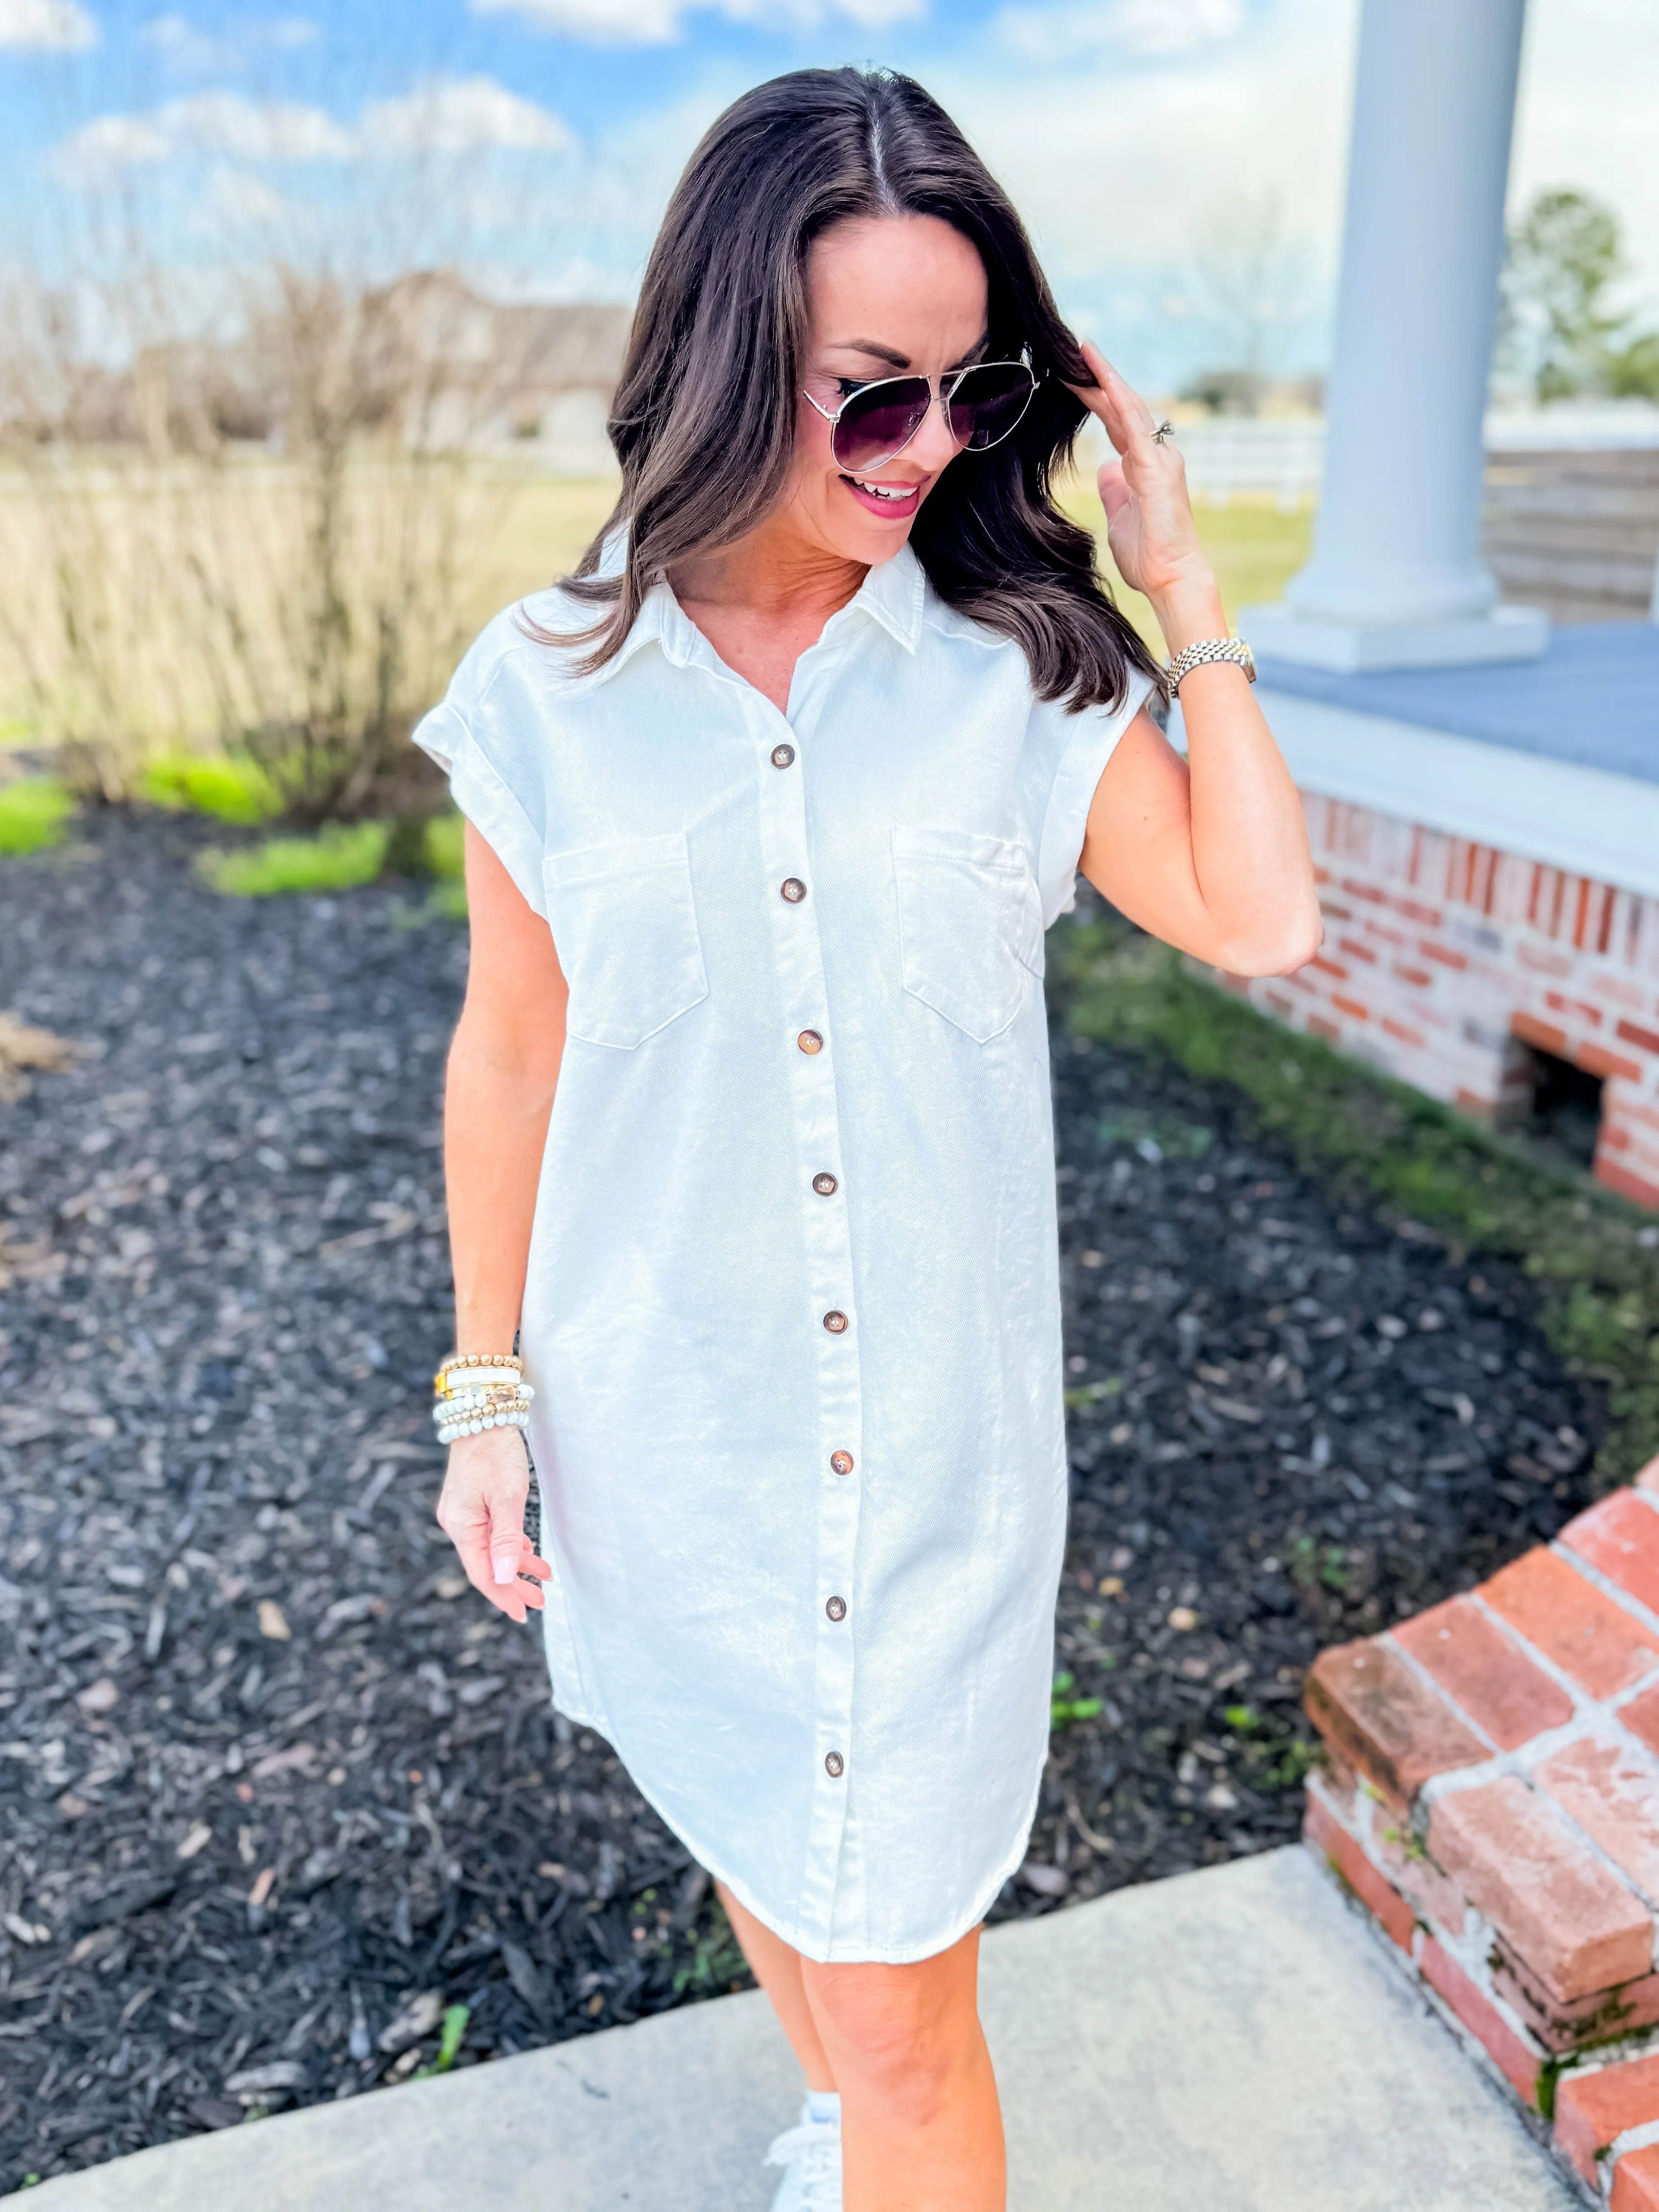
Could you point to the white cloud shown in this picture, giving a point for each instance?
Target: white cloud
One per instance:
(183, 47)
(444, 115)
(236, 199)
(109, 143)
(217, 122)
(1067, 33)
(1110, 172)
(655, 23)
(253, 130)
(46, 26)
(459, 115)
(602, 22)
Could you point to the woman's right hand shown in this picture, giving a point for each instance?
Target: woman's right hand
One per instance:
(480, 1510)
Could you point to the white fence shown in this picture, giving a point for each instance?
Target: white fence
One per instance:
(1283, 458)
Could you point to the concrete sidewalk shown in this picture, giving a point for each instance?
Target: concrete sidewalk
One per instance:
(1230, 2041)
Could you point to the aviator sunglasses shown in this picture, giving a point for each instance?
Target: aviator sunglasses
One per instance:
(982, 403)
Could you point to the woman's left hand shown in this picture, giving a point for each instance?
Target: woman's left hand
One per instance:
(1148, 517)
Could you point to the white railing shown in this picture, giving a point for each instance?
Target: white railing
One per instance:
(1282, 458)
(1614, 426)
(1278, 458)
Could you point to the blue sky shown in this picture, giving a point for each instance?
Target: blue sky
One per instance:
(1148, 141)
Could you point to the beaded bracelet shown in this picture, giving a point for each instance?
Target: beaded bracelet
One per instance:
(473, 1408)
(461, 1359)
(496, 1393)
(447, 1434)
(485, 1410)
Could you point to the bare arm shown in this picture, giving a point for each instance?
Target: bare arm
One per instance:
(1210, 853)
(503, 1070)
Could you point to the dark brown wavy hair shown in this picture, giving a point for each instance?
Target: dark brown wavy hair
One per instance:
(704, 422)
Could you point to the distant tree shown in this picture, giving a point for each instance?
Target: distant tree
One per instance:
(1248, 283)
(1633, 371)
(1223, 391)
(1564, 258)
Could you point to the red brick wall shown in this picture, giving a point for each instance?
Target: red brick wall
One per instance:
(1442, 959)
(1488, 1792)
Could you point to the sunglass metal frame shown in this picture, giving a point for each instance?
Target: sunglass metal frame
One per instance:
(940, 392)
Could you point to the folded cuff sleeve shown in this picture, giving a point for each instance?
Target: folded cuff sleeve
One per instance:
(483, 797)
(1093, 736)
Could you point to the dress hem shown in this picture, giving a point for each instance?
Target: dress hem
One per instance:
(908, 1954)
(834, 1955)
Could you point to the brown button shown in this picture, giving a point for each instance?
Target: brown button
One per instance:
(841, 1462)
(794, 890)
(835, 1607)
(810, 1041)
(825, 1185)
(835, 1323)
(833, 1766)
(782, 756)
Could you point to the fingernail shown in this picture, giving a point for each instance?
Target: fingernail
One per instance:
(506, 1571)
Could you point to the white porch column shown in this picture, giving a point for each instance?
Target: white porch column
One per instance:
(1396, 579)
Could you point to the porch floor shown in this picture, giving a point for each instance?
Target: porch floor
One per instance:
(1592, 699)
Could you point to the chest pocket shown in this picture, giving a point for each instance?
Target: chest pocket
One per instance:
(971, 926)
(624, 922)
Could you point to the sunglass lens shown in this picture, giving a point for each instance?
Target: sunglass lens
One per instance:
(989, 401)
(875, 425)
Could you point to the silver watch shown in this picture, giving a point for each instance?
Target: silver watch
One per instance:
(1209, 648)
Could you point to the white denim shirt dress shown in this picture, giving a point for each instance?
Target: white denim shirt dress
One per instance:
(792, 1309)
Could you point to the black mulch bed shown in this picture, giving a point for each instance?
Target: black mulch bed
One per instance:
(277, 1788)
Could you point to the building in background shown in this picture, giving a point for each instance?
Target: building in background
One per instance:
(426, 355)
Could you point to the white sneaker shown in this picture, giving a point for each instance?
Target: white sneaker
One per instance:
(811, 2155)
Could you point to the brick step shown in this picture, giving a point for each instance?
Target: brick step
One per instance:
(1489, 1793)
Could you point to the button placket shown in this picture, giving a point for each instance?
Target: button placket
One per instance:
(829, 1312)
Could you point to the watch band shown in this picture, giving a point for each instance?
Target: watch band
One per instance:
(1208, 649)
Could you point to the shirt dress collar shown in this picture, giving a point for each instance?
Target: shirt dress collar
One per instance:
(891, 595)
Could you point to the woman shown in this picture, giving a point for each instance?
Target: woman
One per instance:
(748, 1118)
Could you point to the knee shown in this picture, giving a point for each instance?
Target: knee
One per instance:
(890, 2034)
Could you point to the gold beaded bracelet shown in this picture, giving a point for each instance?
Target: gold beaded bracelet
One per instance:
(462, 1359)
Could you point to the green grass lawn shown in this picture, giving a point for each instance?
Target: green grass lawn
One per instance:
(1255, 548)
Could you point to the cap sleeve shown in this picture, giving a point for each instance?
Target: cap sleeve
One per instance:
(493, 767)
(1080, 744)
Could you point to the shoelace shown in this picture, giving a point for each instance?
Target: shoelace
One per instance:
(817, 2145)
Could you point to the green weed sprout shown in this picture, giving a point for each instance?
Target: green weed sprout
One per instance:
(451, 2034)
(32, 811)
(230, 787)
(337, 859)
(1062, 1707)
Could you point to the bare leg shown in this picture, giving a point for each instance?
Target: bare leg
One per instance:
(777, 1968)
(921, 2130)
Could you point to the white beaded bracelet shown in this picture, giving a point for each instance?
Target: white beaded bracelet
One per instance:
(449, 1432)
(469, 1401)
(471, 1426)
